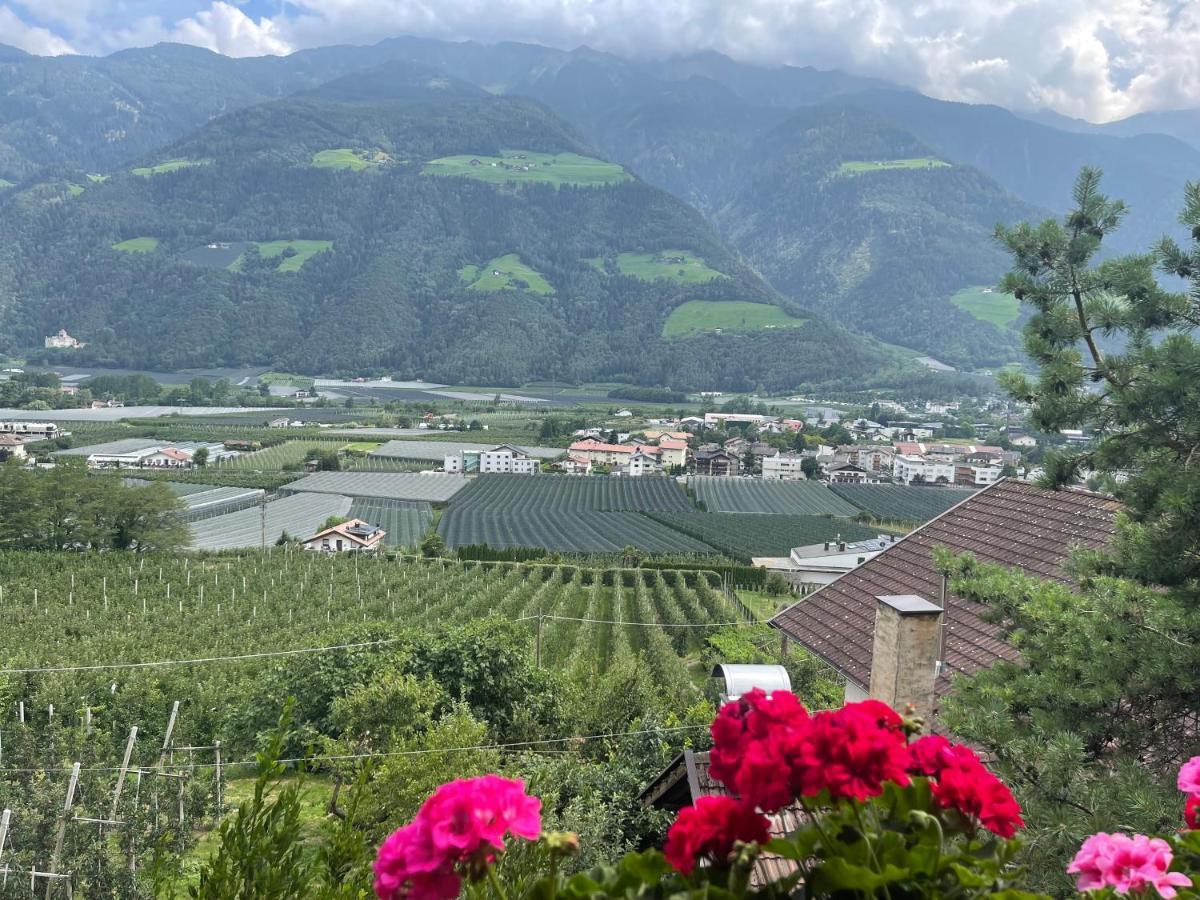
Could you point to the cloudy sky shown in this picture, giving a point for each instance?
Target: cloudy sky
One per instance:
(1098, 59)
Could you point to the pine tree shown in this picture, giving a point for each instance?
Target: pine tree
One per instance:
(1092, 722)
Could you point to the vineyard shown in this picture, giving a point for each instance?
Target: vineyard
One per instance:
(901, 503)
(746, 535)
(289, 453)
(747, 495)
(196, 651)
(298, 515)
(432, 487)
(520, 493)
(404, 521)
(563, 530)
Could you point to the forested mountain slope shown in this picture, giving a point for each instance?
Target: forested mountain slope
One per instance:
(884, 252)
(413, 225)
(828, 213)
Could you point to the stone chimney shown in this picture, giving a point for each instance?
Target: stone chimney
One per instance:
(904, 662)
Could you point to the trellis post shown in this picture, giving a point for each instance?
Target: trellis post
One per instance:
(62, 832)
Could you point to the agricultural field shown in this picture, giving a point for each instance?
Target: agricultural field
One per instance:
(75, 189)
(536, 494)
(298, 515)
(988, 305)
(348, 158)
(697, 316)
(304, 251)
(437, 450)
(432, 487)
(123, 445)
(505, 273)
(743, 536)
(5, 184)
(216, 255)
(275, 458)
(137, 245)
(920, 162)
(678, 266)
(900, 502)
(215, 501)
(528, 167)
(405, 522)
(170, 165)
(563, 530)
(753, 495)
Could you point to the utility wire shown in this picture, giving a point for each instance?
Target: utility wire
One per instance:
(379, 643)
(512, 747)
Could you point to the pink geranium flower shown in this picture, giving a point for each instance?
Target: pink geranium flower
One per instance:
(1126, 864)
(464, 822)
(475, 814)
(1189, 776)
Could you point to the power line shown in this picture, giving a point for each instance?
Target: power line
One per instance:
(206, 659)
(300, 651)
(514, 746)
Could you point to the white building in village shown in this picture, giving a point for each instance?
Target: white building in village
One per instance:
(907, 469)
(503, 460)
(783, 467)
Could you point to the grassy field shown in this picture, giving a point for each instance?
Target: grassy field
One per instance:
(5, 183)
(75, 189)
(314, 803)
(988, 305)
(170, 165)
(696, 316)
(920, 162)
(137, 245)
(97, 179)
(305, 250)
(362, 446)
(505, 273)
(347, 158)
(527, 166)
(673, 265)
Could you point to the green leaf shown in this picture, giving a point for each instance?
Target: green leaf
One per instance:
(837, 875)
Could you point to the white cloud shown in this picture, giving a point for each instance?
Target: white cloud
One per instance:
(30, 38)
(1100, 59)
(226, 29)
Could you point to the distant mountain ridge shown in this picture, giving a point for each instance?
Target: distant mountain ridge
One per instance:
(411, 225)
(748, 146)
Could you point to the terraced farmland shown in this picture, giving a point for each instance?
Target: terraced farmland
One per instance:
(299, 515)
(431, 487)
(563, 530)
(404, 521)
(275, 458)
(753, 495)
(746, 535)
(524, 493)
(901, 503)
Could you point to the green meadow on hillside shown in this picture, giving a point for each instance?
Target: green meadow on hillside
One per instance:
(137, 245)
(673, 265)
(170, 165)
(75, 189)
(348, 158)
(305, 250)
(5, 183)
(988, 305)
(696, 316)
(504, 273)
(920, 162)
(527, 166)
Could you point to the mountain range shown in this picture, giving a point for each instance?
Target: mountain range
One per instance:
(504, 213)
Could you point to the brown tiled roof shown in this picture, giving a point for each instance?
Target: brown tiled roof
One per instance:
(686, 779)
(1011, 523)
